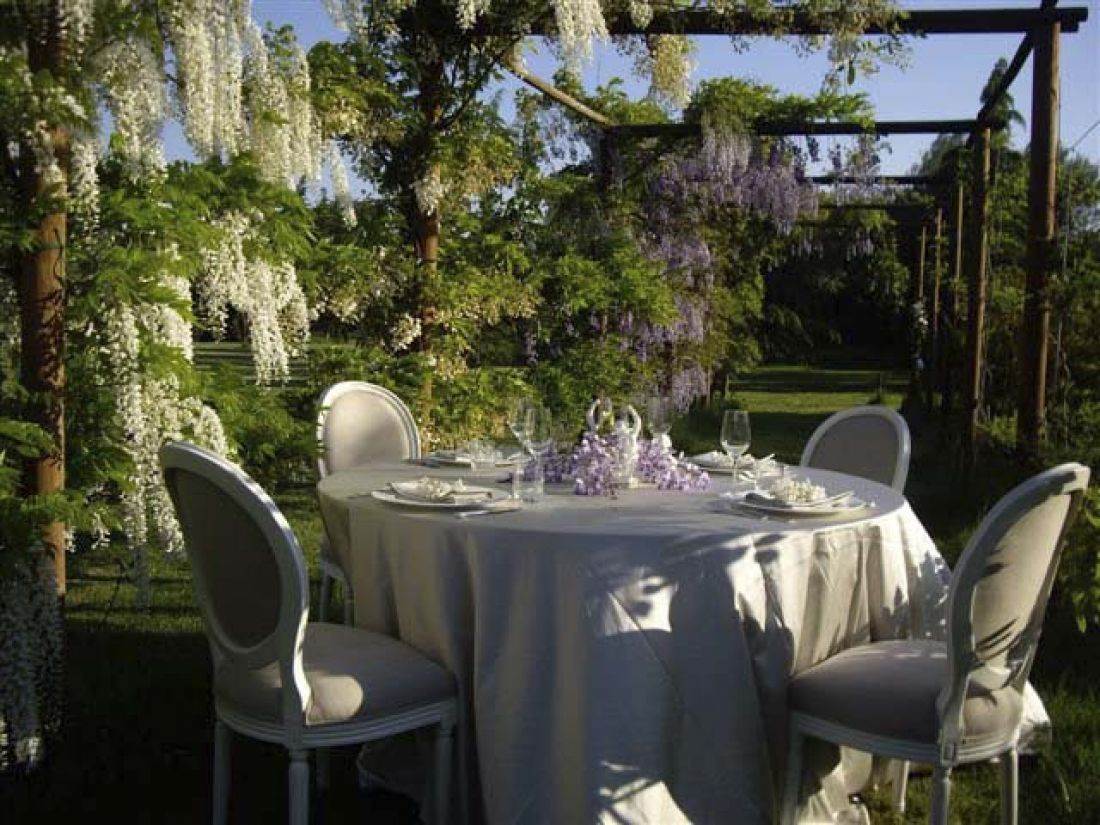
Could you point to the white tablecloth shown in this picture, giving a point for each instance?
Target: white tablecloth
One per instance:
(626, 660)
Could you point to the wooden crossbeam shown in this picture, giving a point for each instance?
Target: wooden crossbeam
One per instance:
(1015, 66)
(886, 180)
(792, 128)
(802, 24)
(556, 94)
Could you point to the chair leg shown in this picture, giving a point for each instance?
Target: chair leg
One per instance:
(326, 596)
(222, 742)
(444, 748)
(322, 755)
(941, 795)
(793, 785)
(1010, 777)
(901, 784)
(298, 783)
(349, 604)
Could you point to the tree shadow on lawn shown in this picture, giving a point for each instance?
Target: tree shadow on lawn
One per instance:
(137, 743)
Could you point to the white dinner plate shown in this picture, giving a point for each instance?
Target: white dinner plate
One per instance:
(840, 508)
(491, 496)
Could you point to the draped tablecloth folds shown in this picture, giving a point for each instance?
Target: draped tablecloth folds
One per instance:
(626, 660)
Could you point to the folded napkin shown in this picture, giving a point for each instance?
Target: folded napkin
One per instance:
(438, 491)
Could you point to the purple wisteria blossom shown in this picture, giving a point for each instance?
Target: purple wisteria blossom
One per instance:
(658, 466)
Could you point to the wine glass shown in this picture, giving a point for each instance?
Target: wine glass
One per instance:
(540, 433)
(659, 412)
(519, 420)
(736, 436)
(605, 411)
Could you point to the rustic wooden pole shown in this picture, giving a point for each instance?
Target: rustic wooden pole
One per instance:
(1031, 412)
(950, 352)
(977, 249)
(935, 355)
(41, 289)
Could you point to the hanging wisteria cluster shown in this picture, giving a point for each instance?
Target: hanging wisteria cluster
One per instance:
(266, 294)
(150, 410)
(688, 193)
(233, 91)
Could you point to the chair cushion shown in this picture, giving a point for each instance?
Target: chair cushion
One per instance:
(890, 689)
(353, 674)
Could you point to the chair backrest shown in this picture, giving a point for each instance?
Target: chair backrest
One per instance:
(1001, 584)
(869, 442)
(360, 423)
(248, 570)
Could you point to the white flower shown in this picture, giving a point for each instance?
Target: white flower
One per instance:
(266, 294)
(404, 332)
(429, 191)
(341, 189)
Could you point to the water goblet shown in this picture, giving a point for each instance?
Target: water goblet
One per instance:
(519, 420)
(659, 412)
(735, 438)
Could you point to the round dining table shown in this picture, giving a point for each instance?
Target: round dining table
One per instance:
(625, 659)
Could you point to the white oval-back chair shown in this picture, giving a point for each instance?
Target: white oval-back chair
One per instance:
(869, 442)
(959, 701)
(278, 677)
(359, 423)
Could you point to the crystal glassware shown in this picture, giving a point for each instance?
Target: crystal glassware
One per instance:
(735, 438)
(519, 420)
(483, 454)
(659, 413)
(528, 484)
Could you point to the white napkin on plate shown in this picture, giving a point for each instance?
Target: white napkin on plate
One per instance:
(440, 492)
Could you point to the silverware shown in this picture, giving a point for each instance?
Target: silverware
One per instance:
(506, 506)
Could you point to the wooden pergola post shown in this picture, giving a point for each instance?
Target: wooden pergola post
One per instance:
(958, 215)
(41, 291)
(1031, 412)
(977, 249)
(935, 356)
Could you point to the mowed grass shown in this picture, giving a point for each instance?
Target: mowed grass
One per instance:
(138, 719)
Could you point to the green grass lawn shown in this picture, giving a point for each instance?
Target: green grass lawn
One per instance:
(138, 714)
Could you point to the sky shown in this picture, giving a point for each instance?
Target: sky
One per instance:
(943, 79)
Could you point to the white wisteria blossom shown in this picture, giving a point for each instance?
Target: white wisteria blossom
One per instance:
(84, 182)
(266, 294)
(429, 191)
(151, 410)
(580, 23)
(341, 188)
(134, 89)
(404, 333)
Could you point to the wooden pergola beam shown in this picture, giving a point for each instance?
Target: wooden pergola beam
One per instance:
(557, 95)
(884, 180)
(801, 24)
(1014, 67)
(793, 128)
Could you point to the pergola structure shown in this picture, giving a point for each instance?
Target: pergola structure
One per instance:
(1042, 28)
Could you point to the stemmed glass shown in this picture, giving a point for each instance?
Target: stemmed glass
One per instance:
(605, 411)
(540, 433)
(659, 413)
(736, 436)
(519, 421)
